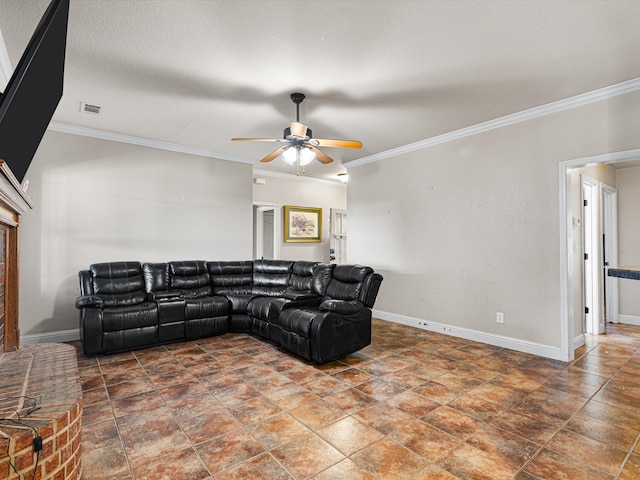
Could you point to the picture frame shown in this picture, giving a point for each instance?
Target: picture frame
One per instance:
(302, 224)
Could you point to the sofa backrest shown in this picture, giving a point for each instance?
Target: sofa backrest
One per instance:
(118, 283)
(271, 277)
(321, 278)
(156, 276)
(301, 276)
(231, 277)
(190, 278)
(348, 282)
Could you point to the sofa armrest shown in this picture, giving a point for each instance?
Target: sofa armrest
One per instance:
(342, 307)
(333, 335)
(91, 330)
(89, 301)
(299, 295)
(165, 295)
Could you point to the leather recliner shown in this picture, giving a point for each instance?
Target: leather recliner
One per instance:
(339, 324)
(115, 312)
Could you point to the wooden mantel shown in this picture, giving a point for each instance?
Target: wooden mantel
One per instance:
(14, 202)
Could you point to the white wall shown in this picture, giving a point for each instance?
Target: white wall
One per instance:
(464, 229)
(628, 184)
(99, 201)
(303, 193)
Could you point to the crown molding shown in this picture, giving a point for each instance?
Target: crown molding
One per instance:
(298, 178)
(505, 121)
(174, 147)
(144, 142)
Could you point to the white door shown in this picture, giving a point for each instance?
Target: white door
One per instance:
(338, 240)
(591, 267)
(610, 251)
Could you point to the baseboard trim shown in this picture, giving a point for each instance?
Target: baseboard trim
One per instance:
(578, 341)
(629, 320)
(466, 333)
(475, 335)
(52, 337)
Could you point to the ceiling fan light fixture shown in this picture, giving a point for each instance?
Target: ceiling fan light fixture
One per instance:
(289, 155)
(306, 156)
(302, 155)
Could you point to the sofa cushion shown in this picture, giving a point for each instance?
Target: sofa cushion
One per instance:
(191, 278)
(297, 320)
(231, 277)
(156, 276)
(302, 275)
(271, 277)
(265, 308)
(346, 281)
(239, 302)
(206, 307)
(130, 316)
(321, 278)
(118, 283)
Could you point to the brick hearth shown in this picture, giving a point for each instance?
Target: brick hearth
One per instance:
(41, 396)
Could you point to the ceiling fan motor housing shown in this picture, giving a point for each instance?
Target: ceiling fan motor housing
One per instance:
(297, 98)
(287, 135)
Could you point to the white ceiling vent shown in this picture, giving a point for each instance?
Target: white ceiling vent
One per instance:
(88, 108)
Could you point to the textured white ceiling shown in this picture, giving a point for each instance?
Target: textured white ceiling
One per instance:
(388, 73)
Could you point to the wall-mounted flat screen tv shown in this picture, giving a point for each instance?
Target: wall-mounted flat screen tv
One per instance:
(34, 90)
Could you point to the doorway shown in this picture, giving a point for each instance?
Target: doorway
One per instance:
(265, 232)
(566, 216)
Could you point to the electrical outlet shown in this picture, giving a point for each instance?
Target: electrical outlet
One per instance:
(499, 317)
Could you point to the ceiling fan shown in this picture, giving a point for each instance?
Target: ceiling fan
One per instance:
(301, 147)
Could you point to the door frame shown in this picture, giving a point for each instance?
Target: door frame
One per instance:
(258, 232)
(567, 351)
(610, 251)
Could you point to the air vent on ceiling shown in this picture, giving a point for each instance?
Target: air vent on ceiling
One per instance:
(88, 108)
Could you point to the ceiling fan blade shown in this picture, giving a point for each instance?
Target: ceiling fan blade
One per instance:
(321, 156)
(256, 139)
(274, 154)
(298, 129)
(325, 142)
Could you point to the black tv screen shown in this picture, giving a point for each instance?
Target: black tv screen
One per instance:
(34, 90)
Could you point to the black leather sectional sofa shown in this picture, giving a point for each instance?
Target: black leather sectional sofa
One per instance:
(318, 311)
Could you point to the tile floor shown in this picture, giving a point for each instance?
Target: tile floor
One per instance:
(413, 405)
